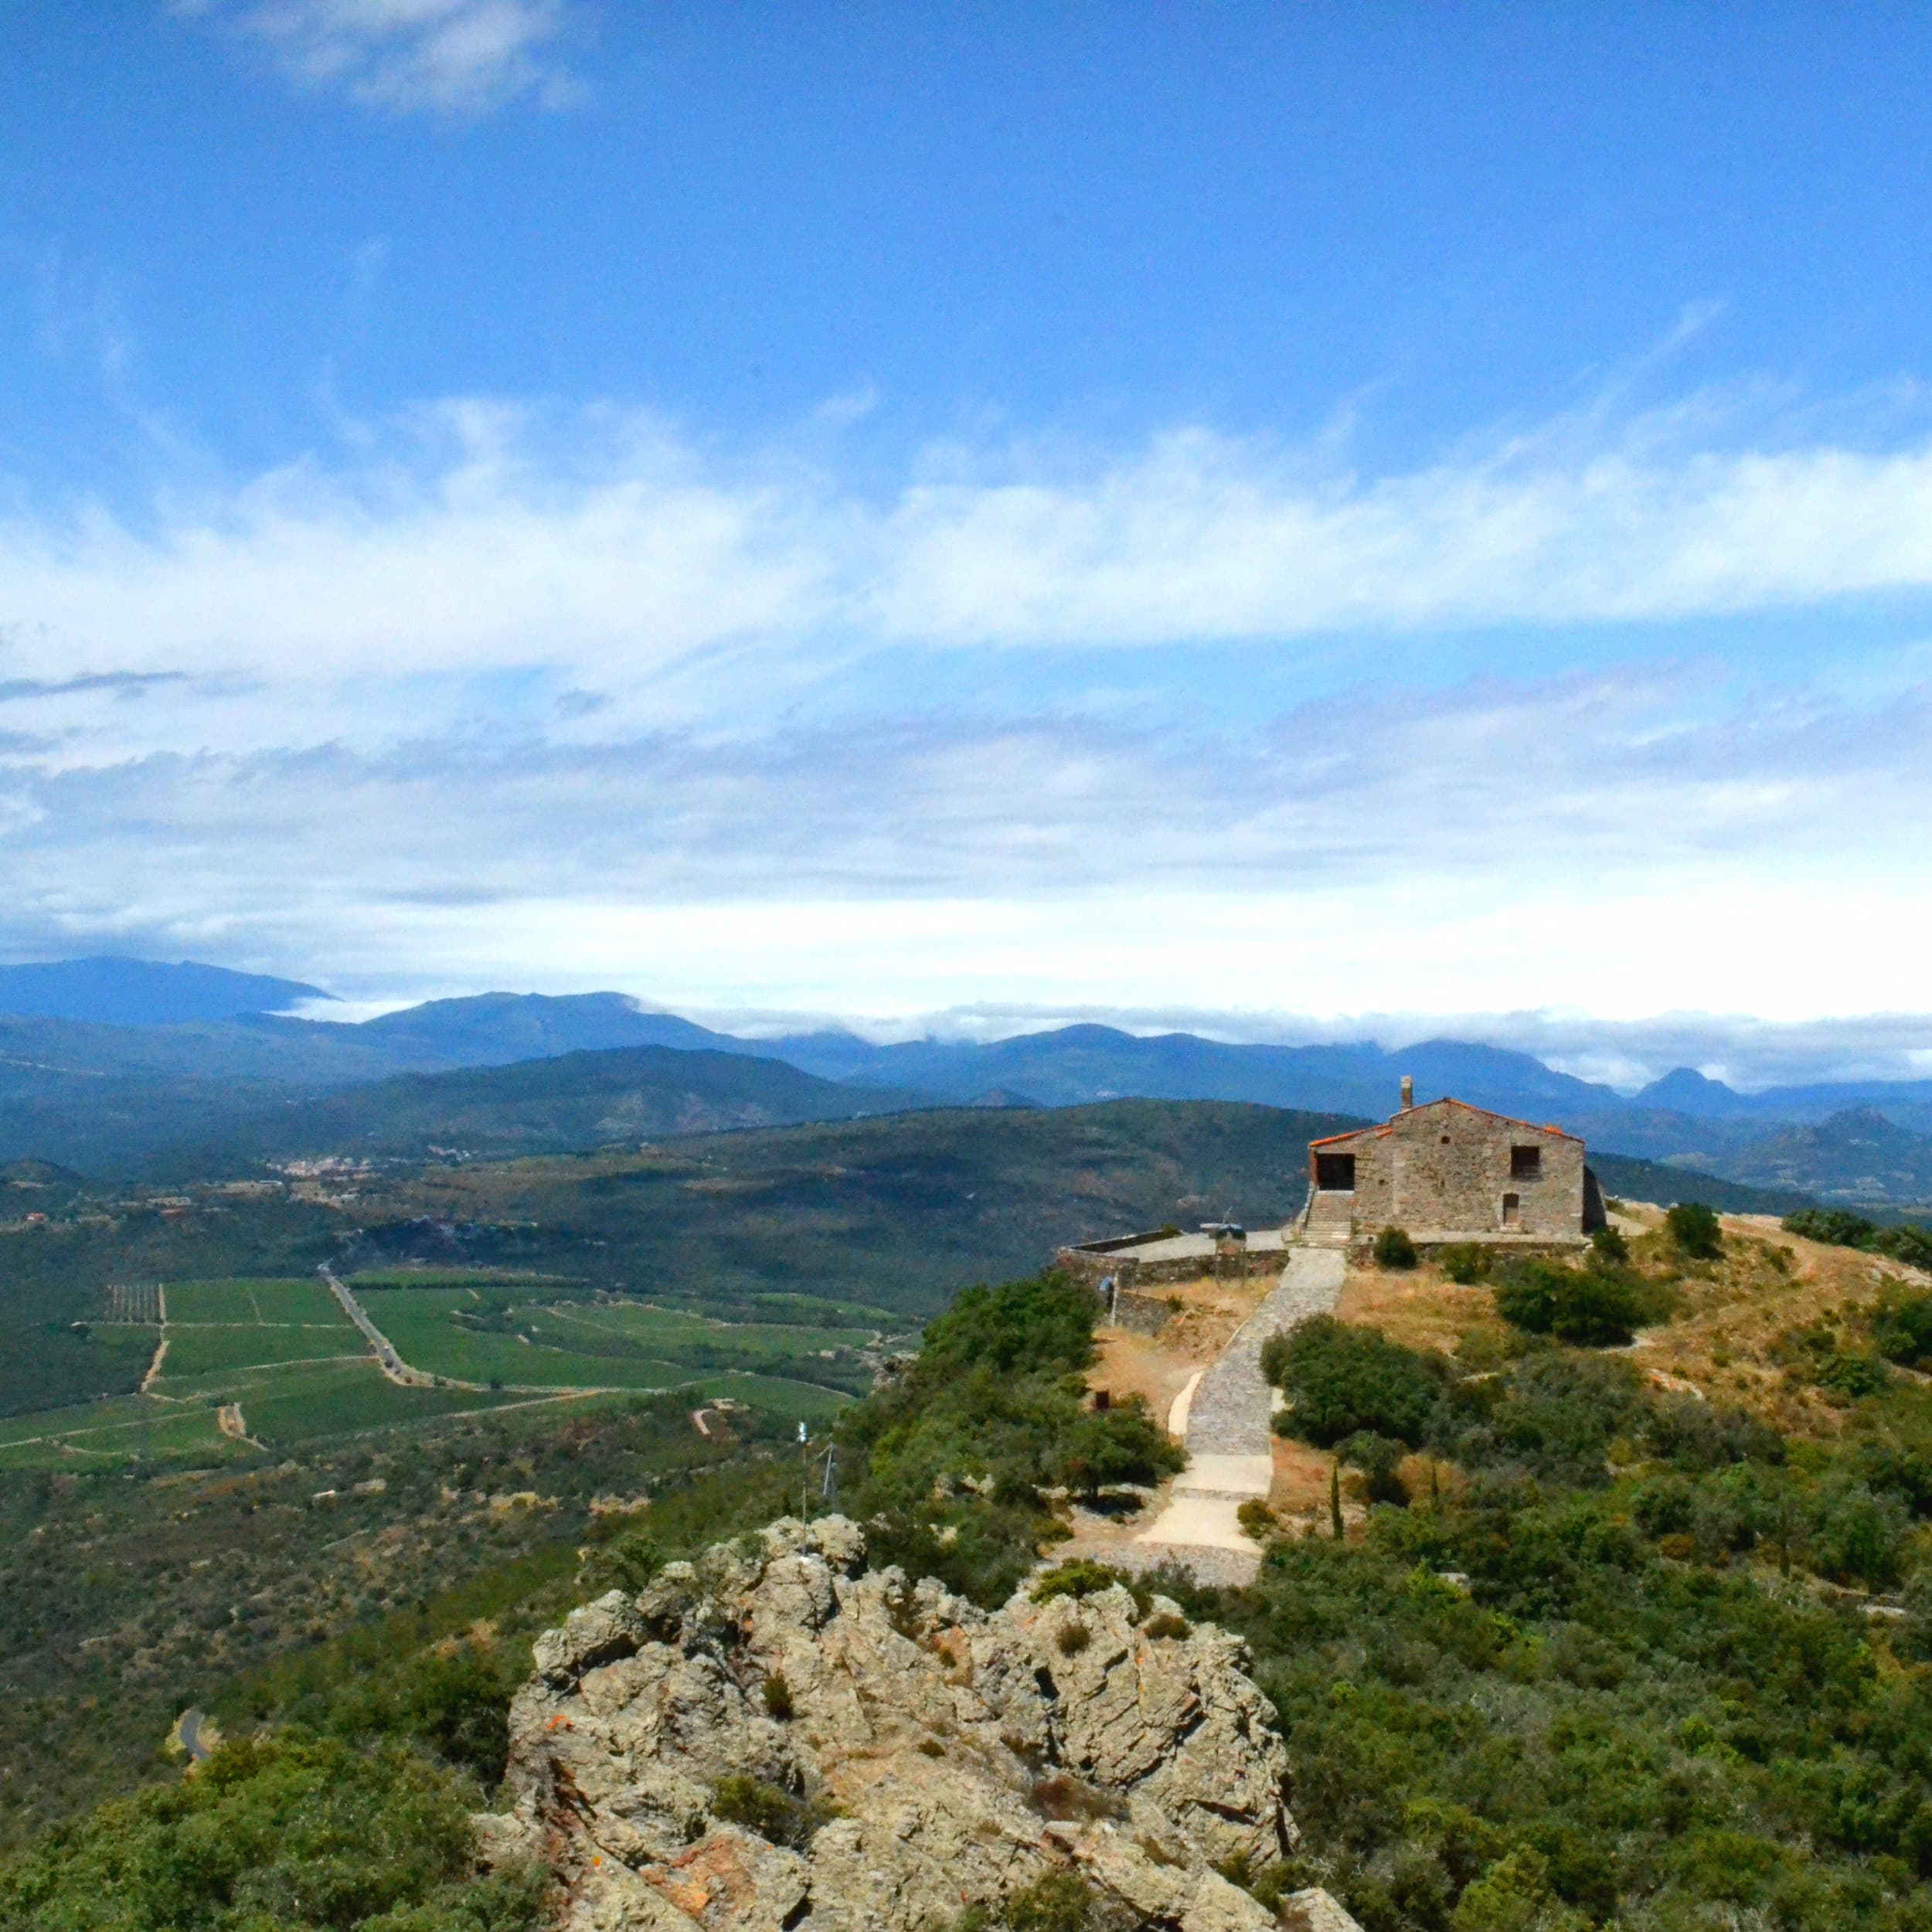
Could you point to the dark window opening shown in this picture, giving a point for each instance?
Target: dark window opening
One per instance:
(1525, 1163)
(1511, 1209)
(1334, 1173)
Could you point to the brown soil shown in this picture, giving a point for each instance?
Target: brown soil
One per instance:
(1210, 1313)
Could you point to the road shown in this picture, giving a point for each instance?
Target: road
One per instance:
(392, 1364)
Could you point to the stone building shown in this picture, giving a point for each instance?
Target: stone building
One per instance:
(1447, 1171)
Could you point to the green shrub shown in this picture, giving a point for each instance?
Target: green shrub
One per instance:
(1465, 1263)
(1044, 1323)
(1588, 1307)
(1257, 1519)
(1394, 1249)
(1902, 1328)
(1694, 1230)
(1608, 1248)
(1082, 1576)
(778, 1699)
(1835, 1226)
(285, 1834)
(1377, 1456)
(1061, 1902)
(1340, 1380)
(773, 1814)
(1098, 1449)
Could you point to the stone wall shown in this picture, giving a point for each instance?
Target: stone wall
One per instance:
(1448, 1167)
(1141, 1314)
(1130, 1271)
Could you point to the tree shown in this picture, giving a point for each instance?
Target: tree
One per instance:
(1694, 1229)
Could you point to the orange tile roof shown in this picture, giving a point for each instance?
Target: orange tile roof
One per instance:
(1388, 1126)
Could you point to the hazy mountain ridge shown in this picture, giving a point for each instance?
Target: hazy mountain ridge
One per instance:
(76, 1088)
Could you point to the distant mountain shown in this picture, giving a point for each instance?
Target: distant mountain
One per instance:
(1075, 1064)
(1857, 1158)
(99, 1095)
(494, 1028)
(1685, 1091)
(143, 992)
(555, 1105)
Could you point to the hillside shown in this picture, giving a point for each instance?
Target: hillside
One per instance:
(211, 1068)
(144, 992)
(1859, 1157)
(574, 1100)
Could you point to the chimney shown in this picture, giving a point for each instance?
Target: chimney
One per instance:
(1408, 1093)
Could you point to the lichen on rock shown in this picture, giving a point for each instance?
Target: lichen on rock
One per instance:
(920, 1757)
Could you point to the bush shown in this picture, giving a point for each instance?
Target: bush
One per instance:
(1693, 1229)
(290, 1833)
(1465, 1263)
(1589, 1308)
(1834, 1227)
(773, 1814)
(1340, 1380)
(1607, 1247)
(1046, 1323)
(1257, 1519)
(1106, 1447)
(1061, 1902)
(1902, 1328)
(1377, 1457)
(1082, 1576)
(1394, 1249)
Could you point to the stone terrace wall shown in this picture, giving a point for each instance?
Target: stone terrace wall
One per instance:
(1141, 1314)
(1129, 1271)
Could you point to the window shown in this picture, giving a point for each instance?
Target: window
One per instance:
(1334, 1173)
(1512, 1210)
(1525, 1163)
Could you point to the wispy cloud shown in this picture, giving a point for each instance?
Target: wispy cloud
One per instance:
(482, 537)
(566, 704)
(14, 688)
(457, 57)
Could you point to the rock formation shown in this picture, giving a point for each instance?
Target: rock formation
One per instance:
(785, 1738)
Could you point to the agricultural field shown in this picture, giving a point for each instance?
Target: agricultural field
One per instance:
(496, 1339)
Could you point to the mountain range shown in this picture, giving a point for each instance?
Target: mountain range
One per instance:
(104, 1062)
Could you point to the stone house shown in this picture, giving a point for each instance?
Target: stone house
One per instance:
(1446, 1172)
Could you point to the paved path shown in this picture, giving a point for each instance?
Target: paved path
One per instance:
(391, 1363)
(1229, 1433)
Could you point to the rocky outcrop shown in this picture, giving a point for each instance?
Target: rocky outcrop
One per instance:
(785, 1739)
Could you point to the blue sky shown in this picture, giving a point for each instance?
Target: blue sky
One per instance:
(1299, 517)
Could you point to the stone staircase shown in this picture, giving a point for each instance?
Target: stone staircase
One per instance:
(1330, 1219)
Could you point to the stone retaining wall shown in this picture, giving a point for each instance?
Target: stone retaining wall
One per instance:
(1129, 1271)
(1141, 1314)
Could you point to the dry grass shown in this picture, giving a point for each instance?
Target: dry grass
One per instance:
(1210, 1311)
(1722, 1341)
(1421, 1308)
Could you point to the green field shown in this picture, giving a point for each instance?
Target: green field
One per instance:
(154, 1431)
(439, 1346)
(491, 1337)
(200, 1351)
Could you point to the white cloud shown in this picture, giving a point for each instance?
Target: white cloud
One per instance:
(447, 56)
(610, 551)
(518, 702)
